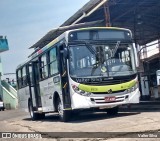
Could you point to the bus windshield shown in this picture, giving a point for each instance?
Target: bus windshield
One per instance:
(109, 60)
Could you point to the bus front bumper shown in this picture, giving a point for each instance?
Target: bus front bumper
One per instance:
(84, 102)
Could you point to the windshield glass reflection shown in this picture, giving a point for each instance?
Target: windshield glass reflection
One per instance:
(116, 59)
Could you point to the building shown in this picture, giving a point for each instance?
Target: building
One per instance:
(140, 16)
(7, 93)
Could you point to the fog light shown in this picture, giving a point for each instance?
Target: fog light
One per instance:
(92, 99)
(40, 110)
(126, 96)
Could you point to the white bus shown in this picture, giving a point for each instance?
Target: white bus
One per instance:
(85, 68)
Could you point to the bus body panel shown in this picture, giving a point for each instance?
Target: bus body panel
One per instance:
(46, 101)
(23, 96)
(97, 99)
(83, 102)
(98, 93)
(33, 97)
(47, 90)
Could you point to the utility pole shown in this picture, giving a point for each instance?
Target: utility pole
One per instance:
(107, 14)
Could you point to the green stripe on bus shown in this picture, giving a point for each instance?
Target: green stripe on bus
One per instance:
(116, 87)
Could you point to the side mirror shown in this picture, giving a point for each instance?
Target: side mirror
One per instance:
(65, 52)
(136, 55)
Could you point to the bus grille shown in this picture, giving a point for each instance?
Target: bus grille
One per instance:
(108, 93)
(102, 100)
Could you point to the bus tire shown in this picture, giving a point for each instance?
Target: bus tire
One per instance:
(34, 116)
(113, 111)
(63, 114)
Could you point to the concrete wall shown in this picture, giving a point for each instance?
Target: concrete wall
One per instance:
(9, 88)
(9, 95)
(10, 101)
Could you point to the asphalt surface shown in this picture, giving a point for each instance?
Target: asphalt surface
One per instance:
(11, 114)
(126, 125)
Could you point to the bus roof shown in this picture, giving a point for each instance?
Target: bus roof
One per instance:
(54, 41)
(90, 28)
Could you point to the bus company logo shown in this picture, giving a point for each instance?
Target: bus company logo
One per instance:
(6, 135)
(94, 89)
(109, 91)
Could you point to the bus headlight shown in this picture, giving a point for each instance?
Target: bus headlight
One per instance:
(132, 89)
(81, 92)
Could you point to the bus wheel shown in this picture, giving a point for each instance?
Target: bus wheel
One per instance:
(63, 114)
(113, 111)
(34, 116)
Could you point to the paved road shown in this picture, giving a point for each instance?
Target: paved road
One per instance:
(18, 121)
(10, 114)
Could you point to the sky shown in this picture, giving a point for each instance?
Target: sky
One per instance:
(24, 22)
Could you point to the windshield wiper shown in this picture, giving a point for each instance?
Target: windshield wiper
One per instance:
(88, 45)
(90, 48)
(116, 47)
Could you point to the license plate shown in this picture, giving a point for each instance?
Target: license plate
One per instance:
(108, 99)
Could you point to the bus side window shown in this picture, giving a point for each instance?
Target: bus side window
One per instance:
(43, 67)
(53, 66)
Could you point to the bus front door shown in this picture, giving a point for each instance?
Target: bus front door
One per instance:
(64, 80)
(34, 85)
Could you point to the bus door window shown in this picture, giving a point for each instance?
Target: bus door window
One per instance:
(24, 77)
(30, 75)
(19, 78)
(63, 59)
(36, 66)
(33, 73)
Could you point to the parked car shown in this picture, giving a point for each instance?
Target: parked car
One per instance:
(2, 106)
